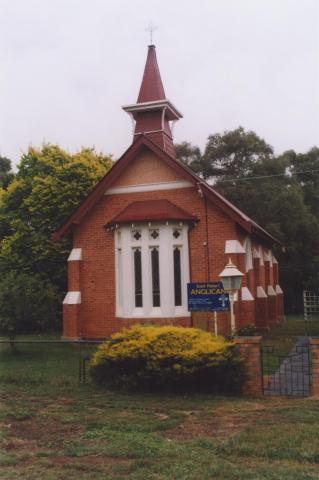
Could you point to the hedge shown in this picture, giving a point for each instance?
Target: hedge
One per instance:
(168, 358)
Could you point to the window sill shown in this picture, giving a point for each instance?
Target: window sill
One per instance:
(155, 313)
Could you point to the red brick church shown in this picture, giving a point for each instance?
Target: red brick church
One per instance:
(149, 227)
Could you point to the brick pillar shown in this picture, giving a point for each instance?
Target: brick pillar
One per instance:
(72, 301)
(251, 354)
(74, 276)
(70, 322)
(257, 279)
(314, 358)
(272, 306)
(275, 273)
(261, 309)
(267, 272)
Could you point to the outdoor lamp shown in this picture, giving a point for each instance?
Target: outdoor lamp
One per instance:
(231, 279)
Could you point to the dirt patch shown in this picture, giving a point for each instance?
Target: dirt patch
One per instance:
(89, 460)
(217, 426)
(193, 427)
(37, 432)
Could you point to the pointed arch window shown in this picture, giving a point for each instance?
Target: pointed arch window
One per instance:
(152, 270)
(138, 290)
(156, 294)
(177, 277)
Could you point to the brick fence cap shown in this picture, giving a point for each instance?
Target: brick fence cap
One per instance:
(256, 339)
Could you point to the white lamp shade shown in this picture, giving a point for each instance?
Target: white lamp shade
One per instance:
(231, 277)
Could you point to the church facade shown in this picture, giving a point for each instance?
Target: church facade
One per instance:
(149, 227)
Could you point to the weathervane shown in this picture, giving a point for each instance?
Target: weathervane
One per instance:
(151, 28)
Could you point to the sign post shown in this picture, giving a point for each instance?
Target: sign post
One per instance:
(215, 324)
(208, 297)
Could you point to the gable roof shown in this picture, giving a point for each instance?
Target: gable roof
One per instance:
(143, 142)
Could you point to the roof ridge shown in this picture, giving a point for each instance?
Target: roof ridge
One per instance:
(143, 141)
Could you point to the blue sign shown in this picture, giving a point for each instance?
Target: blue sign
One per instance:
(207, 297)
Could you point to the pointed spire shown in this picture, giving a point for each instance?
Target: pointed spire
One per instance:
(152, 112)
(152, 86)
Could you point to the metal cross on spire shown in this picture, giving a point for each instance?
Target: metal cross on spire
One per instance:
(151, 28)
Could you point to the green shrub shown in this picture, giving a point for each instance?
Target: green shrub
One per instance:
(27, 304)
(168, 358)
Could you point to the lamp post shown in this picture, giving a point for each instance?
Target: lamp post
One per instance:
(231, 278)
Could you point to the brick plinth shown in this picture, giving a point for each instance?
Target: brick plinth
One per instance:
(245, 313)
(129, 322)
(74, 276)
(261, 312)
(272, 310)
(71, 321)
(314, 355)
(250, 352)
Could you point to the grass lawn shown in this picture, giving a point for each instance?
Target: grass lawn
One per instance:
(285, 335)
(52, 428)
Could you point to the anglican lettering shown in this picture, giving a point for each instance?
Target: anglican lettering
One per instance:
(205, 297)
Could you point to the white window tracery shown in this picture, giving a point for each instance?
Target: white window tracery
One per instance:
(152, 270)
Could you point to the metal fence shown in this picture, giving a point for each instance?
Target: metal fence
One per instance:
(311, 304)
(287, 375)
(45, 360)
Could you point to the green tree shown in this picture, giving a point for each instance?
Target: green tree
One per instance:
(308, 163)
(26, 304)
(6, 174)
(49, 184)
(234, 153)
(270, 190)
(230, 154)
(189, 155)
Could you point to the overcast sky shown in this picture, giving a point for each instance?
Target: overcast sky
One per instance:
(67, 67)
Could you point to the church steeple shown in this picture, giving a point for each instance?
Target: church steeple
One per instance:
(153, 112)
(152, 86)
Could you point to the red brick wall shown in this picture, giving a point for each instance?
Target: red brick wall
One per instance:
(97, 282)
(314, 352)
(261, 313)
(150, 169)
(70, 321)
(94, 275)
(74, 268)
(251, 354)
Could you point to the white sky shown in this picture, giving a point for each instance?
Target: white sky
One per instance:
(67, 66)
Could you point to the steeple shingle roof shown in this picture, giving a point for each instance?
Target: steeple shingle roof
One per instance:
(152, 86)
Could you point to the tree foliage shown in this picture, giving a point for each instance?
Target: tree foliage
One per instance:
(6, 174)
(232, 153)
(26, 304)
(49, 184)
(189, 155)
(272, 192)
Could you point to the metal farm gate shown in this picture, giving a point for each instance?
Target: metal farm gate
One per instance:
(288, 375)
(311, 304)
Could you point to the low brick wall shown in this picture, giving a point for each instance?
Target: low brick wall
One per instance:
(251, 353)
(314, 357)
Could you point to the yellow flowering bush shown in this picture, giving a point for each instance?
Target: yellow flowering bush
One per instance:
(167, 357)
